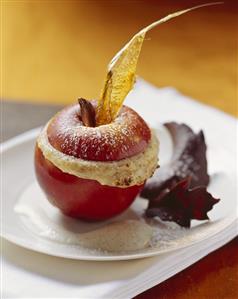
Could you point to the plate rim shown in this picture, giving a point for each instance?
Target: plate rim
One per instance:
(119, 257)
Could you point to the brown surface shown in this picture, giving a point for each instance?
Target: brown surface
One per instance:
(214, 277)
(58, 50)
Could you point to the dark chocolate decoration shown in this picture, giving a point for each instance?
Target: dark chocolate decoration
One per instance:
(188, 160)
(181, 204)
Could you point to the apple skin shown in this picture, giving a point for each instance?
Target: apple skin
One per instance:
(81, 198)
(127, 136)
(87, 199)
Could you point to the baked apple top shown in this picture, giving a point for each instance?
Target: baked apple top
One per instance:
(126, 136)
(121, 173)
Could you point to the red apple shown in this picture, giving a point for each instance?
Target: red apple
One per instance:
(87, 195)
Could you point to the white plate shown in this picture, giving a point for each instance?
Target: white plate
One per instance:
(18, 177)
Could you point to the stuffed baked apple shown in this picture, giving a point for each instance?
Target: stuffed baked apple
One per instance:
(94, 172)
(93, 158)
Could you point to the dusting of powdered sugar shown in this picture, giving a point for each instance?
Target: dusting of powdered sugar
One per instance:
(126, 136)
(123, 235)
(109, 238)
(122, 173)
(166, 234)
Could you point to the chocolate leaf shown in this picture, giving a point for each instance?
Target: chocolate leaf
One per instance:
(181, 204)
(188, 160)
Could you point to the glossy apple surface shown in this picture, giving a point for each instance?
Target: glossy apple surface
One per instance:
(82, 198)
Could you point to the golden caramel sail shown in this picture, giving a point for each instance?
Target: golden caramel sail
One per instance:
(121, 71)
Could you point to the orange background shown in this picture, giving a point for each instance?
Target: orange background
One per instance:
(56, 51)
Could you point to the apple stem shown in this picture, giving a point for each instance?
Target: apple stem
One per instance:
(88, 115)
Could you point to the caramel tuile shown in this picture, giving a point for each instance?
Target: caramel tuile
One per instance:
(121, 71)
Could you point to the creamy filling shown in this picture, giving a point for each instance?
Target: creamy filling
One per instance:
(124, 173)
